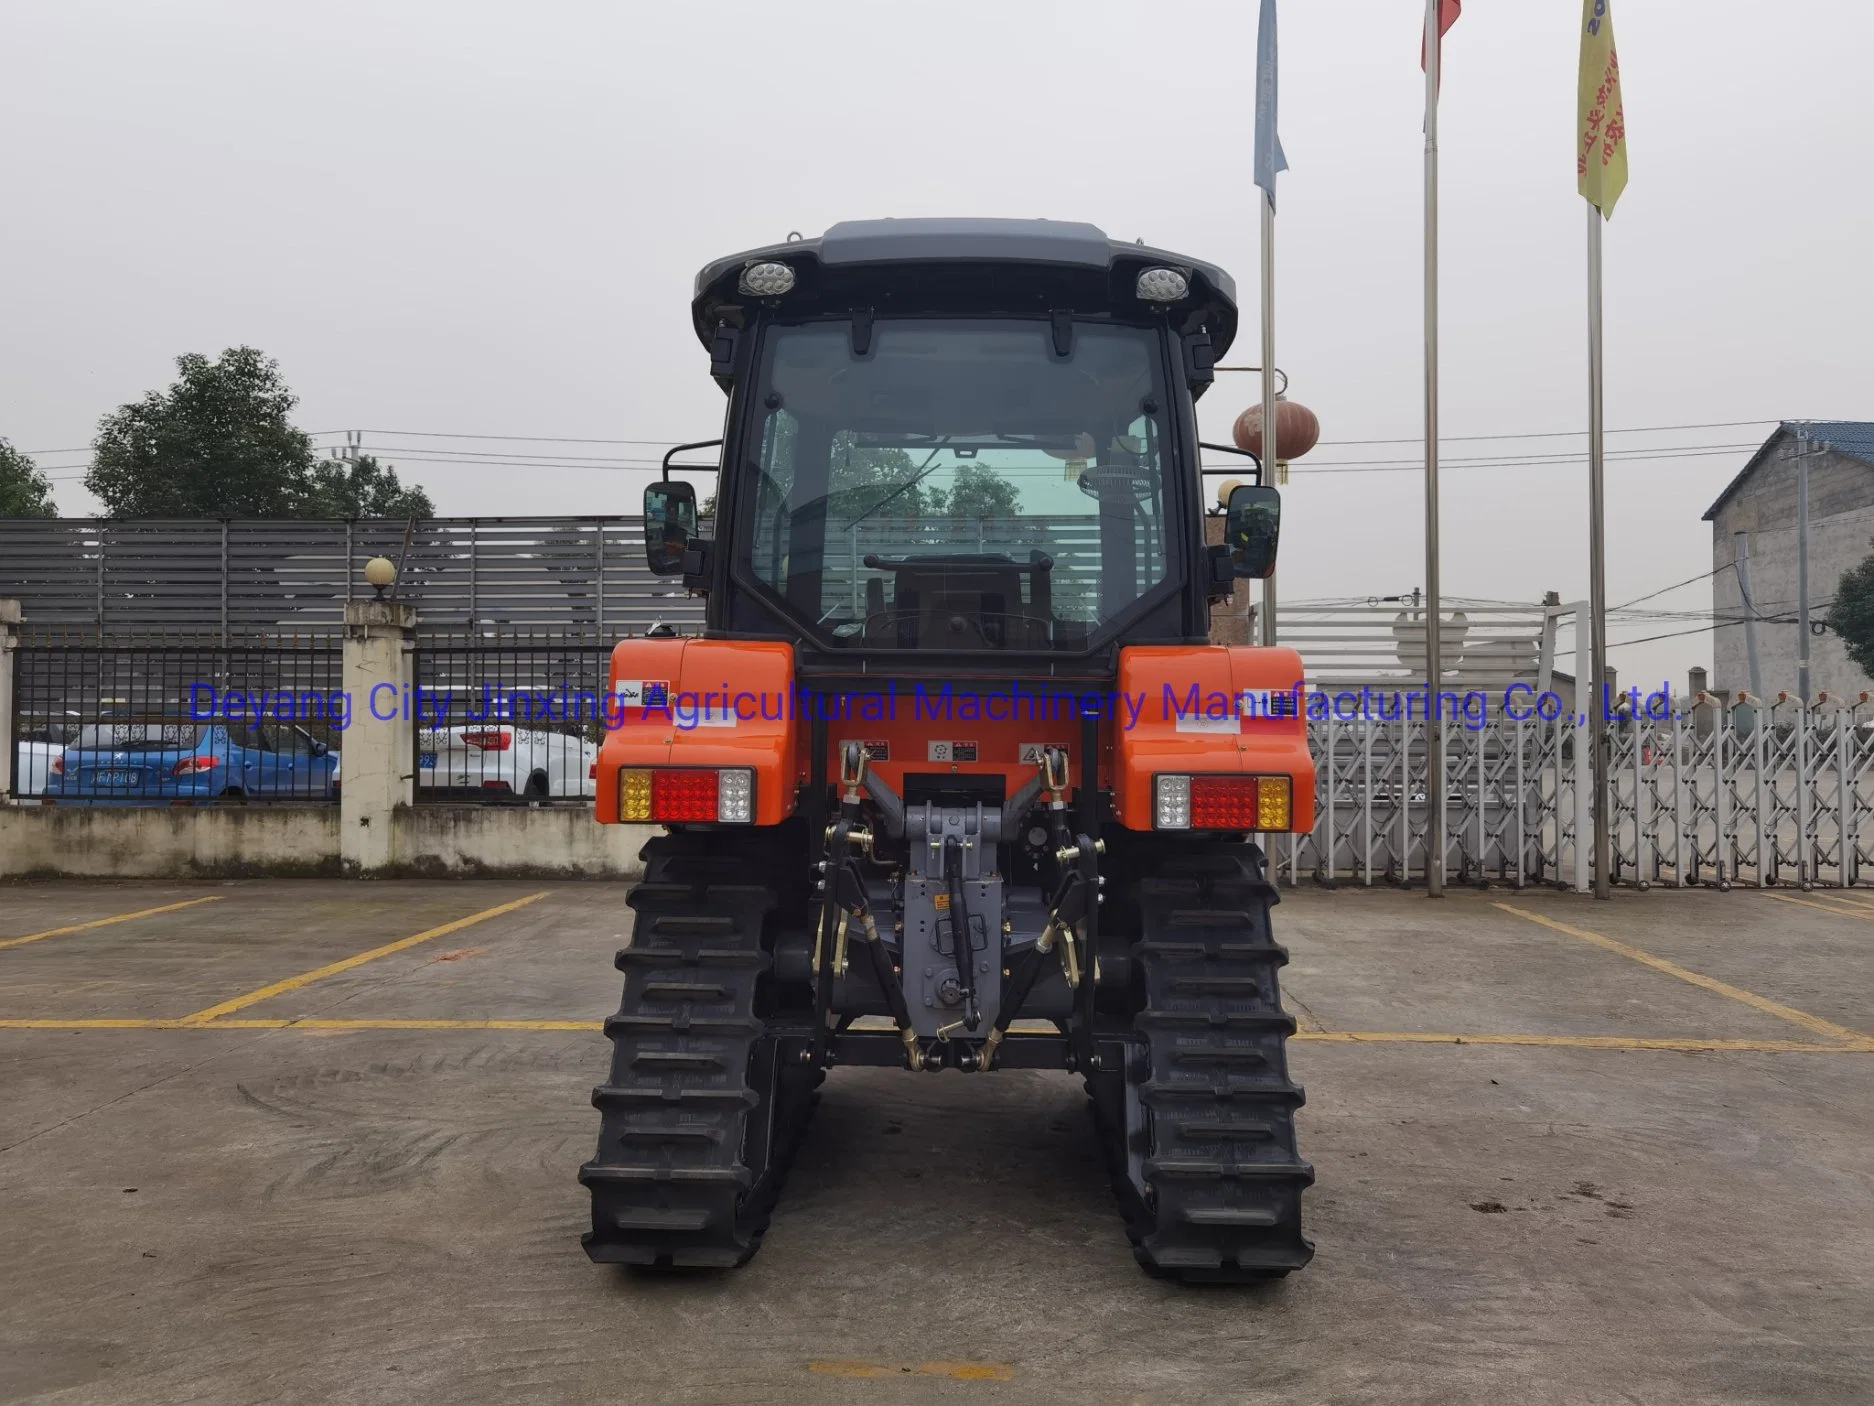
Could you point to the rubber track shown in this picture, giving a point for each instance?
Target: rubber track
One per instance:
(1222, 1175)
(692, 1144)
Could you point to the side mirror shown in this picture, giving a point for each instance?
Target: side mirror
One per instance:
(316, 748)
(1252, 522)
(669, 524)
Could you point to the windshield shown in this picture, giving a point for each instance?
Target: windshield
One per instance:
(961, 485)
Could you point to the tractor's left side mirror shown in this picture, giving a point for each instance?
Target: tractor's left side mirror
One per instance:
(1252, 521)
(669, 524)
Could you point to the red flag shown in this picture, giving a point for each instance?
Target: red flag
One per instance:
(1448, 12)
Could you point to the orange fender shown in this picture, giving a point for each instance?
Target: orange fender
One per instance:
(1192, 719)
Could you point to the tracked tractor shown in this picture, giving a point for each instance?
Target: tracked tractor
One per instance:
(953, 781)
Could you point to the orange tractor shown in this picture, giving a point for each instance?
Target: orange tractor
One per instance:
(953, 779)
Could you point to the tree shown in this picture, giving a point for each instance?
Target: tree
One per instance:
(1852, 614)
(217, 443)
(362, 487)
(24, 491)
(221, 443)
(865, 481)
(979, 492)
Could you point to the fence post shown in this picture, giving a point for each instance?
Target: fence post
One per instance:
(377, 759)
(9, 694)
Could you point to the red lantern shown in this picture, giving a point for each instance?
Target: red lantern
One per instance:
(1297, 429)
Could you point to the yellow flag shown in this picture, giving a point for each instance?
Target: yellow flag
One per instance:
(1601, 118)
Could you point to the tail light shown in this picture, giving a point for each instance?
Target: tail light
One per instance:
(592, 772)
(192, 766)
(496, 741)
(1264, 803)
(691, 794)
(496, 786)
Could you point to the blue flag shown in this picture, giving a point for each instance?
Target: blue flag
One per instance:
(1269, 157)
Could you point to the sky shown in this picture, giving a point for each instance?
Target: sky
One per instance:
(476, 219)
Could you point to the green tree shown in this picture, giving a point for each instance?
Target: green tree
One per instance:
(24, 491)
(978, 492)
(362, 487)
(217, 443)
(866, 481)
(221, 442)
(1852, 614)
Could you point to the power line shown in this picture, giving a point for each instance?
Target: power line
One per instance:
(1384, 466)
(516, 438)
(1664, 589)
(630, 464)
(1561, 434)
(1676, 634)
(1326, 443)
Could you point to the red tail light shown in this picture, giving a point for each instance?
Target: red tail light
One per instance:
(496, 786)
(683, 795)
(592, 772)
(1223, 802)
(497, 741)
(189, 766)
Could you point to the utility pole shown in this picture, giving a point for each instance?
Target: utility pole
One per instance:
(1802, 563)
(1597, 565)
(1434, 642)
(1267, 464)
(1741, 545)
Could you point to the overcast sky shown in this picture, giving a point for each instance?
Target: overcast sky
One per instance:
(471, 218)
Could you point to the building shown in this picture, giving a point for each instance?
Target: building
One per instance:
(1757, 514)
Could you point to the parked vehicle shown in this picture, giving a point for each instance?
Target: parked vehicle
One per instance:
(1026, 511)
(36, 747)
(499, 760)
(166, 761)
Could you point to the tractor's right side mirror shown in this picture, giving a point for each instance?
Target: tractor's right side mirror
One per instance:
(1252, 521)
(669, 524)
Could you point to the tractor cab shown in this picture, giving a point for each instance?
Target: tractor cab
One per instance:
(957, 439)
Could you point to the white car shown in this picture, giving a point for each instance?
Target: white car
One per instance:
(32, 769)
(502, 761)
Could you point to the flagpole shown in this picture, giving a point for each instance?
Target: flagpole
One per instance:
(1434, 642)
(1597, 564)
(1268, 392)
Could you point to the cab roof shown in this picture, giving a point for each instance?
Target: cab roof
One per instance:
(972, 265)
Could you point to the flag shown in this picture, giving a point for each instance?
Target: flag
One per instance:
(1448, 12)
(1269, 157)
(1601, 116)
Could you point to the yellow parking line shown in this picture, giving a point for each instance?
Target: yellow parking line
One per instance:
(293, 983)
(1682, 1044)
(955, 1371)
(1581, 1042)
(191, 1023)
(1722, 988)
(1847, 910)
(588, 1026)
(1854, 897)
(106, 922)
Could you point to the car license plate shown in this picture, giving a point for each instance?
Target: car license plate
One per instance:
(119, 778)
(428, 759)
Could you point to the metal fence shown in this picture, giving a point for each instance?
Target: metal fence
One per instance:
(100, 580)
(511, 722)
(178, 725)
(1703, 795)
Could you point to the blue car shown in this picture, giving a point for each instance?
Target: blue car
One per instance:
(171, 761)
